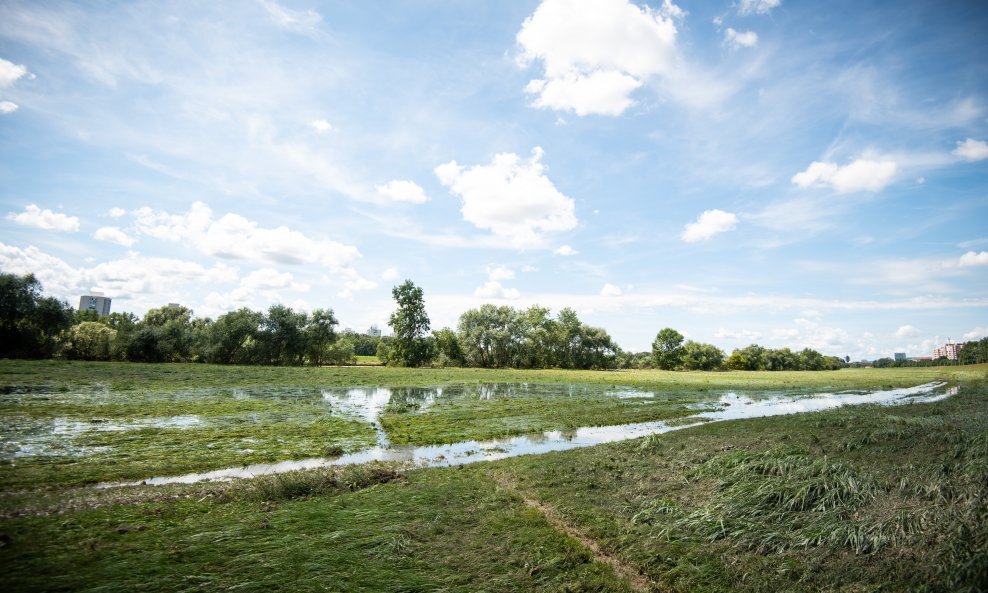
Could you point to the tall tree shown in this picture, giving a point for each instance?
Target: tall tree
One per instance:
(410, 324)
(667, 349)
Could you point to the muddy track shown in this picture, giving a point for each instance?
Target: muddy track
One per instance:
(626, 572)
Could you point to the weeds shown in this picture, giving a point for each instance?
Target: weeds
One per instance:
(307, 483)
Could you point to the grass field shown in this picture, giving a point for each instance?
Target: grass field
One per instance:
(855, 499)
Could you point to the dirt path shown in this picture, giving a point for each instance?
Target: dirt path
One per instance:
(627, 573)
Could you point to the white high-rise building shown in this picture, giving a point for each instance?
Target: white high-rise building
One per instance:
(95, 302)
(374, 331)
(948, 351)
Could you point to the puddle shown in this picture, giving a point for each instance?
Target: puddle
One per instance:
(730, 406)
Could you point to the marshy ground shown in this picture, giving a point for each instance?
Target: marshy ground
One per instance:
(864, 498)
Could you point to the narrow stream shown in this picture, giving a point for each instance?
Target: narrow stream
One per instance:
(731, 406)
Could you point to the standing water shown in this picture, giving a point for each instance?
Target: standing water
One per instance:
(367, 403)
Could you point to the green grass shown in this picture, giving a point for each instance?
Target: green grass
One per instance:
(866, 498)
(251, 415)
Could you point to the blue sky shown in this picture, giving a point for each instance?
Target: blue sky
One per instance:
(797, 174)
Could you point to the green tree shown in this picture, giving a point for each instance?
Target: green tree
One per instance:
(173, 332)
(29, 322)
(410, 324)
(320, 335)
(701, 357)
(667, 349)
(234, 338)
(89, 340)
(448, 350)
(282, 335)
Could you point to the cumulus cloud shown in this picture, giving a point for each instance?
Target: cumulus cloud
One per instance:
(116, 212)
(113, 235)
(271, 279)
(498, 272)
(860, 175)
(234, 237)
(565, 251)
(511, 197)
(973, 259)
(390, 273)
(494, 290)
(609, 290)
(708, 224)
(321, 126)
(143, 281)
(740, 38)
(33, 216)
(906, 331)
(8, 107)
(972, 150)
(976, 334)
(757, 6)
(10, 73)
(596, 53)
(402, 191)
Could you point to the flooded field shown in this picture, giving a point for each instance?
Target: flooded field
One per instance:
(216, 433)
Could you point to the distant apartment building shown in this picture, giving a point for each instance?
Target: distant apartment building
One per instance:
(949, 351)
(899, 356)
(95, 302)
(374, 331)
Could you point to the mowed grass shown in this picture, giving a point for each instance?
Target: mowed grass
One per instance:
(865, 498)
(283, 417)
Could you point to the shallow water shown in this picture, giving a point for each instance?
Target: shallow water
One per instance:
(730, 406)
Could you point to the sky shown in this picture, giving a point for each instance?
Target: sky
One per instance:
(801, 174)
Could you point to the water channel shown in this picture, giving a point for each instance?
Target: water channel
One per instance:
(367, 403)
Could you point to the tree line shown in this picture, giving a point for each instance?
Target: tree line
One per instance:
(35, 326)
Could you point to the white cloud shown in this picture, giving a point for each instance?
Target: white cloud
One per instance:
(321, 126)
(510, 197)
(402, 191)
(271, 279)
(390, 273)
(528, 269)
(234, 237)
(740, 39)
(597, 93)
(708, 224)
(498, 272)
(142, 282)
(860, 175)
(113, 235)
(972, 150)
(45, 219)
(973, 259)
(906, 331)
(116, 212)
(596, 53)
(757, 6)
(976, 334)
(609, 290)
(565, 251)
(10, 73)
(494, 290)
(8, 107)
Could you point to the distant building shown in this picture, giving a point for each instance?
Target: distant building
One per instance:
(374, 331)
(95, 302)
(899, 356)
(949, 351)
(176, 305)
